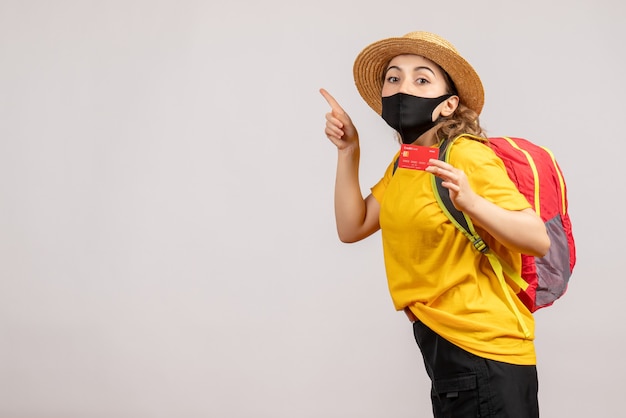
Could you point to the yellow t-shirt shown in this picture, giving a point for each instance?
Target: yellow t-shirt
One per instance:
(433, 269)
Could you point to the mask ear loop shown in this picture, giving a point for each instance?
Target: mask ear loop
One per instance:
(441, 118)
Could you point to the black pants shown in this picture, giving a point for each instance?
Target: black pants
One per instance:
(465, 385)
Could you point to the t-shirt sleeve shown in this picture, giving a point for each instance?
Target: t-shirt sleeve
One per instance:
(487, 174)
(378, 190)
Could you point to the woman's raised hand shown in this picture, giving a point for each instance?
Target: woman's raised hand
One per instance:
(339, 127)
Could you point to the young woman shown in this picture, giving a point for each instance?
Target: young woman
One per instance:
(476, 341)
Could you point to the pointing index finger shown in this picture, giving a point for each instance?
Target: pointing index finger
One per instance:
(331, 101)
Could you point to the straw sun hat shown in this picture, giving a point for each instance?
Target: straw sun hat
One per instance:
(371, 64)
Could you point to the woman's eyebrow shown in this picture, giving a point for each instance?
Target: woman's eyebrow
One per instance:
(424, 68)
(395, 67)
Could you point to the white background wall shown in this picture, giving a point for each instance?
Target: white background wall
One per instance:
(167, 240)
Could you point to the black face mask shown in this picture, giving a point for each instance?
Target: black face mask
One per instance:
(410, 115)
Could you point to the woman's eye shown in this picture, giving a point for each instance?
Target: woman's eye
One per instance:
(392, 79)
(421, 81)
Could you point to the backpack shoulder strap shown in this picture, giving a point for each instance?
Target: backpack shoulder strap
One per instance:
(458, 218)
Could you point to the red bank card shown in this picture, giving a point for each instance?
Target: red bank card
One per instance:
(415, 157)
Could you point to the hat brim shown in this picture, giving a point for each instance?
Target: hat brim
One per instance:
(371, 63)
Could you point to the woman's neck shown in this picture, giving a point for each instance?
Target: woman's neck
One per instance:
(427, 139)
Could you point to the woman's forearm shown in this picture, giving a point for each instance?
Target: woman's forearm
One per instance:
(522, 231)
(356, 217)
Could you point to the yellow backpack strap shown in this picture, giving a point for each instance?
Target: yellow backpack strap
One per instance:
(499, 269)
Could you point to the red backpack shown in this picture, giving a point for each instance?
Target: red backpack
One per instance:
(539, 178)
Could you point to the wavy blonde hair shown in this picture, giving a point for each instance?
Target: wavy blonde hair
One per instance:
(463, 121)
